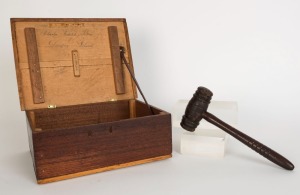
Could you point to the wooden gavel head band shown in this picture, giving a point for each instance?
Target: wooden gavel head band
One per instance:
(195, 108)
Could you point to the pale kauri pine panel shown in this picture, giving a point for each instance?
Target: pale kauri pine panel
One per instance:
(68, 63)
(55, 41)
(61, 88)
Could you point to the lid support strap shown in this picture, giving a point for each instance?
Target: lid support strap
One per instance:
(122, 51)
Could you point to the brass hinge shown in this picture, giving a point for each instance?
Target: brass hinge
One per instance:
(51, 106)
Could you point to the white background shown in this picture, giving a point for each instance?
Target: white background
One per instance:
(245, 51)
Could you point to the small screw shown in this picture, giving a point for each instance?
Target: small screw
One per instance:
(122, 49)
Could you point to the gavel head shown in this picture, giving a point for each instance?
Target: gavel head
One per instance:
(195, 108)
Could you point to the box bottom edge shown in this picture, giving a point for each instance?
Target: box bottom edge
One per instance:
(93, 171)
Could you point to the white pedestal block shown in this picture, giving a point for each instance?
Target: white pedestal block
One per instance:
(207, 140)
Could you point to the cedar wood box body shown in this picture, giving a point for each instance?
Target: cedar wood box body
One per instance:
(67, 65)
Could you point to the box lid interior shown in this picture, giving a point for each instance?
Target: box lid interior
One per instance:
(74, 62)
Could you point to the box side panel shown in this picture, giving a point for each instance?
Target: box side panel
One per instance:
(143, 110)
(30, 141)
(71, 116)
(67, 151)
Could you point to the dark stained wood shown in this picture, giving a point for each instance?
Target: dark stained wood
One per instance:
(143, 110)
(29, 132)
(197, 110)
(89, 130)
(75, 149)
(34, 66)
(102, 169)
(72, 116)
(255, 145)
(116, 59)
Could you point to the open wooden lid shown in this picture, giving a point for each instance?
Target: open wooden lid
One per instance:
(61, 62)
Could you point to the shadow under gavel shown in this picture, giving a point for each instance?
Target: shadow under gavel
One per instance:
(197, 109)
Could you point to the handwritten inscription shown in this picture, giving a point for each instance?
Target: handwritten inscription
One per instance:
(50, 33)
(67, 38)
(65, 25)
(84, 32)
(70, 33)
(84, 44)
(57, 44)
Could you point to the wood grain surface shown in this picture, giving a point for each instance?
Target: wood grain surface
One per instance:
(116, 59)
(56, 39)
(34, 66)
(66, 149)
(96, 123)
(109, 168)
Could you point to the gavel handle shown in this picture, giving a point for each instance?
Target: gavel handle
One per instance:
(250, 142)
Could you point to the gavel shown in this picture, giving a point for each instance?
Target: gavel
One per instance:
(197, 110)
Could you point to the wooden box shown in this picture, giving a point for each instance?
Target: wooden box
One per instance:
(80, 100)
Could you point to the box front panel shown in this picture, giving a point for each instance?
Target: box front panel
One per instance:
(67, 151)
